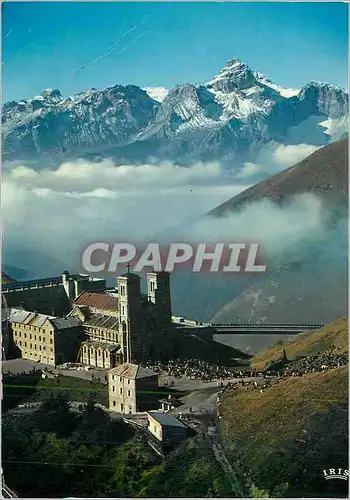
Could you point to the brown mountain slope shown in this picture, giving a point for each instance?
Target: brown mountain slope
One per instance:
(324, 173)
(308, 286)
(285, 436)
(307, 343)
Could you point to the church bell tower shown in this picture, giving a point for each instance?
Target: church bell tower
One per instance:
(130, 323)
(158, 289)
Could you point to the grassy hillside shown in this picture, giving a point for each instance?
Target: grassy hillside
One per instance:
(285, 436)
(335, 334)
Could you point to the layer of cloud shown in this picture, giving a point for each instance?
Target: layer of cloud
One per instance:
(82, 176)
(279, 230)
(58, 212)
(276, 157)
(248, 170)
(288, 155)
(273, 159)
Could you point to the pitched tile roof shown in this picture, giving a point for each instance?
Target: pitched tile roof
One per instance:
(131, 371)
(102, 321)
(98, 300)
(63, 323)
(28, 317)
(37, 319)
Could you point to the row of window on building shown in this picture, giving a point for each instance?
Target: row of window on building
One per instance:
(92, 350)
(121, 391)
(19, 333)
(120, 379)
(122, 407)
(35, 348)
(31, 327)
(103, 334)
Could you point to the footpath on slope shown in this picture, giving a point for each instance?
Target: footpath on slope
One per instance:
(227, 469)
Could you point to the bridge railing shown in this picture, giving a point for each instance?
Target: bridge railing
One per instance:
(264, 326)
(187, 322)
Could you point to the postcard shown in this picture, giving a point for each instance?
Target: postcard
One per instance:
(174, 287)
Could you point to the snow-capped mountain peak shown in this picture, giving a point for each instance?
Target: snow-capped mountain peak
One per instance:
(238, 112)
(52, 94)
(157, 93)
(285, 92)
(235, 75)
(243, 92)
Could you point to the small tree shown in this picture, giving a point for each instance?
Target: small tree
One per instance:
(280, 490)
(256, 492)
(54, 415)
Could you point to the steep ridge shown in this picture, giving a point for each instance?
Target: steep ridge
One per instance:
(324, 173)
(304, 283)
(233, 116)
(311, 287)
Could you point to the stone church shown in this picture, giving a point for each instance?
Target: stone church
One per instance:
(127, 326)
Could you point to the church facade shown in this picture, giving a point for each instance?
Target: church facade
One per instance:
(127, 326)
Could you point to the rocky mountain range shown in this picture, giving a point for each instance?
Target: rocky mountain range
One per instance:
(234, 115)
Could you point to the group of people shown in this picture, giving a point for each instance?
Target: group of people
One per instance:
(192, 368)
(326, 360)
(320, 362)
(197, 369)
(249, 385)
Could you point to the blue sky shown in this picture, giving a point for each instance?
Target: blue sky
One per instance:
(75, 46)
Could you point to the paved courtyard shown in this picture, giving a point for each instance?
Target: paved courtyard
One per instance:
(201, 399)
